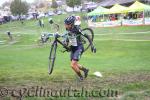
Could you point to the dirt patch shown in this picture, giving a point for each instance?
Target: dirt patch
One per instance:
(89, 84)
(124, 78)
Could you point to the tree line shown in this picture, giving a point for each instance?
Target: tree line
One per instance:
(19, 7)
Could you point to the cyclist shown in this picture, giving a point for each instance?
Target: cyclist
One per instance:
(76, 46)
(50, 20)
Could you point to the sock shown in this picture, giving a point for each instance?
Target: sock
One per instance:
(82, 68)
(78, 72)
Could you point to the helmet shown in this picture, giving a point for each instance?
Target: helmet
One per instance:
(51, 21)
(70, 20)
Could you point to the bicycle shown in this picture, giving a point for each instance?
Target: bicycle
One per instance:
(87, 37)
(44, 38)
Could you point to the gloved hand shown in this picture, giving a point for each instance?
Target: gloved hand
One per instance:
(57, 35)
(93, 49)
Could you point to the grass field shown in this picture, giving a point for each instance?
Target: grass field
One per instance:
(123, 58)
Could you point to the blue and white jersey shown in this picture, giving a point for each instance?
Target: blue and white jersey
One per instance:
(74, 36)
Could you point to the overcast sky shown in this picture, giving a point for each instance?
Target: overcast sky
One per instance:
(2, 1)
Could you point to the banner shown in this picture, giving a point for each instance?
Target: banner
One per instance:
(105, 24)
(147, 21)
(133, 22)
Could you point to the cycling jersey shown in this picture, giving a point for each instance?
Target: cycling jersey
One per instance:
(74, 36)
(76, 47)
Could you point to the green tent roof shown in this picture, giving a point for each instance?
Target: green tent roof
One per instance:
(98, 11)
(115, 9)
(137, 6)
(118, 9)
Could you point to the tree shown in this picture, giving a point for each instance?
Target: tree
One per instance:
(96, 0)
(6, 4)
(18, 7)
(41, 5)
(73, 3)
(54, 4)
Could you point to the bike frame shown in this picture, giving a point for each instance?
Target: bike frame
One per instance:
(58, 41)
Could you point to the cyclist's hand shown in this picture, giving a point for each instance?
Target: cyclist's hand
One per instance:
(93, 49)
(57, 35)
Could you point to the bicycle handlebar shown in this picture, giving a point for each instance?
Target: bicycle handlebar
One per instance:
(56, 35)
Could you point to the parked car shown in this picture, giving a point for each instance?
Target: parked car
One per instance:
(41, 15)
(59, 12)
(14, 18)
(51, 13)
(1, 20)
(29, 17)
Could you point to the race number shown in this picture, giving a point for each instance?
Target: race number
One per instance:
(73, 40)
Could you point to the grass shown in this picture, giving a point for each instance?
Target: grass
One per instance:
(122, 57)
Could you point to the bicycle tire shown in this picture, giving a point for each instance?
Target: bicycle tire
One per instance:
(86, 37)
(52, 57)
(90, 33)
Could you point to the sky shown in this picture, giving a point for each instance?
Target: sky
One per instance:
(2, 1)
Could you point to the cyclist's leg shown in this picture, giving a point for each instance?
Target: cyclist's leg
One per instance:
(77, 56)
(74, 64)
(76, 68)
(10, 37)
(85, 70)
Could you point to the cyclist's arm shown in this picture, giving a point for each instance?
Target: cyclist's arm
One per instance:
(65, 39)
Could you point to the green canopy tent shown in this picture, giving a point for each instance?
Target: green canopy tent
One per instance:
(99, 11)
(116, 9)
(140, 7)
(137, 6)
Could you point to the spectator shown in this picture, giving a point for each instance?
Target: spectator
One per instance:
(9, 35)
(42, 23)
(94, 18)
(50, 20)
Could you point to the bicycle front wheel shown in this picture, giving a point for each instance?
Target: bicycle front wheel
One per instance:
(52, 57)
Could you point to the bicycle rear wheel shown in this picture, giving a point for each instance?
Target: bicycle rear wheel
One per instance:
(52, 57)
(89, 32)
(86, 37)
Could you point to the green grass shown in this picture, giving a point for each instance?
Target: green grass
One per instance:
(122, 58)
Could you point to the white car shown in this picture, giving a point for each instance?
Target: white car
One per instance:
(51, 13)
(14, 17)
(41, 15)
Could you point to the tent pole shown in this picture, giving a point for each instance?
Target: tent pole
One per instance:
(143, 18)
